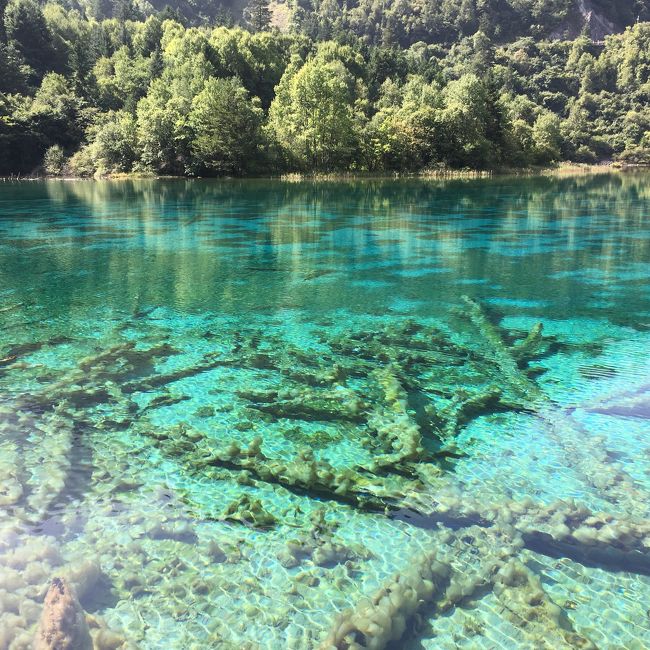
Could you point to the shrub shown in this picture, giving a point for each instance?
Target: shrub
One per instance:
(54, 161)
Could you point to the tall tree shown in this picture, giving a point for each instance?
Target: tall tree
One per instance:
(225, 126)
(27, 31)
(258, 15)
(465, 123)
(3, 35)
(547, 138)
(314, 116)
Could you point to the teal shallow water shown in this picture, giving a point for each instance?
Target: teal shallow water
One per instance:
(232, 411)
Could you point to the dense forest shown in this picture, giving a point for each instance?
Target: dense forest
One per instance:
(197, 87)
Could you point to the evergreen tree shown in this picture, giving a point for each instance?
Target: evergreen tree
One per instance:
(258, 15)
(3, 35)
(27, 32)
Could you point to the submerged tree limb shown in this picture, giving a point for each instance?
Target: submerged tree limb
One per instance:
(497, 351)
(584, 452)
(562, 527)
(395, 429)
(36, 460)
(382, 618)
(304, 473)
(465, 564)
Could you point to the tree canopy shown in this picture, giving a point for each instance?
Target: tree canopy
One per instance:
(102, 87)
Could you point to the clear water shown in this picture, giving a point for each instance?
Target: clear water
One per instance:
(148, 325)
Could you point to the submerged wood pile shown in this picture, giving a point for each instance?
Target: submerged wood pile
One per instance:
(403, 392)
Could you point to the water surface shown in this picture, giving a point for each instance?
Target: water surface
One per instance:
(232, 410)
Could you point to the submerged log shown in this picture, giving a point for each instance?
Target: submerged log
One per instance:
(466, 564)
(585, 453)
(395, 429)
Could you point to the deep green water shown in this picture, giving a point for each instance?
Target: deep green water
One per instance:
(370, 335)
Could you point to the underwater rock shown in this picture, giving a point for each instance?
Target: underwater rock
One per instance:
(83, 576)
(179, 531)
(215, 552)
(204, 412)
(103, 637)
(63, 624)
(11, 490)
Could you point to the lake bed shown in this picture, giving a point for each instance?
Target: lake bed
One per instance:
(233, 411)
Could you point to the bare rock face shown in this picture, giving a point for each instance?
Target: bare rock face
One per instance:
(63, 623)
(585, 17)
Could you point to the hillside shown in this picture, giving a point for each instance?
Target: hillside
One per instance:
(405, 86)
(405, 21)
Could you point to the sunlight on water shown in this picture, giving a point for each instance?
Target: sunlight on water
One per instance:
(263, 414)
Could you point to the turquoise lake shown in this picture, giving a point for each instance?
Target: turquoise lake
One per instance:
(409, 414)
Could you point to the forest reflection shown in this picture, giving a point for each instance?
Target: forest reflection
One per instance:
(258, 244)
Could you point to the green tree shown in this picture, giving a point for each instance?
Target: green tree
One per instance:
(482, 58)
(577, 134)
(258, 15)
(122, 79)
(72, 40)
(466, 124)
(163, 132)
(164, 141)
(3, 34)
(630, 54)
(404, 133)
(27, 32)
(226, 128)
(15, 74)
(259, 60)
(115, 142)
(146, 40)
(112, 146)
(546, 138)
(56, 112)
(54, 160)
(315, 117)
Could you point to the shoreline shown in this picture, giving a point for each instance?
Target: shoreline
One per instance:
(562, 169)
